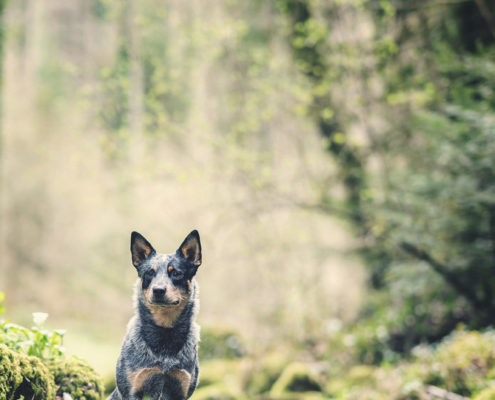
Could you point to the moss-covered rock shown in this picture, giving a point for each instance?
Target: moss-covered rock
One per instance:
(259, 375)
(296, 377)
(463, 362)
(10, 372)
(75, 377)
(219, 391)
(24, 376)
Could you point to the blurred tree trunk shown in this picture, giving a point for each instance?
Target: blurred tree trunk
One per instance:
(309, 56)
(135, 93)
(32, 47)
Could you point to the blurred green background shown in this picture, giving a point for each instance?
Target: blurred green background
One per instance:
(337, 158)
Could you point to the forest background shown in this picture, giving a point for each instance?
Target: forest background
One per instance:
(337, 158)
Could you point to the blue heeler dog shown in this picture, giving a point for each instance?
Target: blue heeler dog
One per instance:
(159, 357)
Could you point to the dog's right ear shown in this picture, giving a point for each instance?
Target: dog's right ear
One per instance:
(141, 249)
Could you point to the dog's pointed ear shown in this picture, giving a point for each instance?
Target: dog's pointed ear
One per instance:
(141, 249)
(190, 248)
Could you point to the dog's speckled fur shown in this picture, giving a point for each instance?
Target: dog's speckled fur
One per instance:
(159, 357)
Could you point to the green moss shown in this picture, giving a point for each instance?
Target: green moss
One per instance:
(220, 342)
(24, 376)
(359, 376)
(220, 371)
(294, 396)
(259, 375)
(10, 372)
(486, 394)
(218, 391)
(75, 377)
(296, 377)
(463, 362)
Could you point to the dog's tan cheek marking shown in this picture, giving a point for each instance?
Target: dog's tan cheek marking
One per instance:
(154, 268)
(183, 377)
(138, 377)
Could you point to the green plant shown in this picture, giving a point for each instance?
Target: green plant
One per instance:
(36, 341)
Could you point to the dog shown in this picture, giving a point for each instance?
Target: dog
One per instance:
(159, 356)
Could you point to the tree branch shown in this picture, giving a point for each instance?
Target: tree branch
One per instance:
(487, 15)
(450, 277)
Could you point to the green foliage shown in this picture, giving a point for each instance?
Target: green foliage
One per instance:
(426, 216)
(75, 377)
(23, 376)
(36, 341)
(358, 376)
(220, 371)
(216, 392)
(260, 373)
(464, 363)
(220, 342)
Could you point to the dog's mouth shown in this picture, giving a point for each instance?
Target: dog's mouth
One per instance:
(164, 303)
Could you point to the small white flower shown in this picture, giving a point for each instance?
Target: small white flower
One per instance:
(39, 317)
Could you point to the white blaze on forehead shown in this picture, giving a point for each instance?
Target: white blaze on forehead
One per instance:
(164, 258)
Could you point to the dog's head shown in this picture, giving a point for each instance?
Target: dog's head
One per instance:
(165, 279)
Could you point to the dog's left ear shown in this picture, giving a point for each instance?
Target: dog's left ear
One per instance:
(190, 248)
(141, 249)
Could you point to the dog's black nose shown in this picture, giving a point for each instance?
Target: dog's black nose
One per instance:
(158, 292)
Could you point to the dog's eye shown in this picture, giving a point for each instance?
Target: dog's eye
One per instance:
(176, 274)
(149, 273)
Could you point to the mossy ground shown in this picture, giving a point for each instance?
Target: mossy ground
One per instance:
(463, 363)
